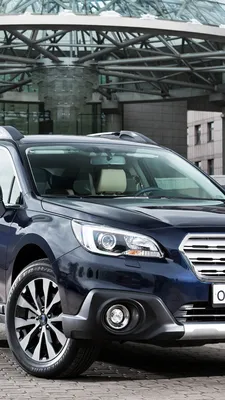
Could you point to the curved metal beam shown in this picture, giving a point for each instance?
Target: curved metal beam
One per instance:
(119, 24)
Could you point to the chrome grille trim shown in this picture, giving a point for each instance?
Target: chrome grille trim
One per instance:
(206, 254)
(199, 312)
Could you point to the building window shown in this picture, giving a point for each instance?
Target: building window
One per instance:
(198, 164)
(210, 129)
(197, 134)
(211, 167)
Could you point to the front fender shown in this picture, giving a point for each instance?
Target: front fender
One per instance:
(52, 234)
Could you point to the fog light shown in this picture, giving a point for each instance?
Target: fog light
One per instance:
(118, 316)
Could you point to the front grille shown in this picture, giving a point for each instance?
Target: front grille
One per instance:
(206, 253)
(199, 312)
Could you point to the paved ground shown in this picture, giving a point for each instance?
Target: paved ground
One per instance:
(128, 372)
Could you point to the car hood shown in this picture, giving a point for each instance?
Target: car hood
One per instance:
(147, 214)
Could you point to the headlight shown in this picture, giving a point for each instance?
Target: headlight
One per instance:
(115, 242)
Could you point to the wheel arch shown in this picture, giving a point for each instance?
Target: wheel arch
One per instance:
(29, 249)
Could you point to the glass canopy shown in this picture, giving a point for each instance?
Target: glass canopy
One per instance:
(161, 61)
(210, 12)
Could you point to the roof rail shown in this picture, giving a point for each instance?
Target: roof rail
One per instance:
(125, 135)
(10, 133)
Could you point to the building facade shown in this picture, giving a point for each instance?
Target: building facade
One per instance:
(107, 65)
(204, 139)
(165, 123)
(31, 118)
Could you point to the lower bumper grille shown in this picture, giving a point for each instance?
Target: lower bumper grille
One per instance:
(199, 312)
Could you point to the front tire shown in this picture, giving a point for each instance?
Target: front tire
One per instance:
(34, 327)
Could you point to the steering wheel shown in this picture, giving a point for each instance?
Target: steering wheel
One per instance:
(147, 190)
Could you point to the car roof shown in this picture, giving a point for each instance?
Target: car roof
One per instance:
(10, 133)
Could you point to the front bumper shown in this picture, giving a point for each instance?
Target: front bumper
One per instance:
(80, 272)
(155, 322)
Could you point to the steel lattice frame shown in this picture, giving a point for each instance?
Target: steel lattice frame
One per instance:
(182, 50)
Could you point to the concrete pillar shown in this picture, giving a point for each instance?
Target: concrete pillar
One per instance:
(65, 91)
(113, 116)
(165, 123)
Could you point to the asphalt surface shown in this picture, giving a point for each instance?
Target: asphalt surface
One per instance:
(125, 372)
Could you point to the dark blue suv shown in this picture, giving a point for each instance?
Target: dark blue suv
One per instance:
(107, 237)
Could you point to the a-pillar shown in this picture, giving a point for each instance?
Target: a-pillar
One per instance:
(65, 91)
(223, 142)
(222, 88)
(113, 116)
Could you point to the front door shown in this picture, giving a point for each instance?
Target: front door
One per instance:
(10, 194)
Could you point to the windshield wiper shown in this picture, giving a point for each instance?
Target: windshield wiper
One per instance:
(60, 196)
(184, 198)
(96, 196)
(74, 196)
(146, 197)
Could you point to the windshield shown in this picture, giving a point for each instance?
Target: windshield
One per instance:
(114, 170)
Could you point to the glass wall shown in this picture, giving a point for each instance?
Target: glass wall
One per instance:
(23, 116)
(29, 118)
(91, 121)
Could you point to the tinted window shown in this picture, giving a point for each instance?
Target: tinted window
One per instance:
(8, 180)
(211, 167)
(210, 130)
(197, 134)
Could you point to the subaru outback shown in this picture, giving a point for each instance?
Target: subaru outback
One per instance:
(105, 238)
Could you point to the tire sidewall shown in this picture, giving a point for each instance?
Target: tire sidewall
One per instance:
(40, 269)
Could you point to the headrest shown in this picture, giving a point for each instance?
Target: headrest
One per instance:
(40, 174)
(61, 185)
(112, 181)
(61, 182)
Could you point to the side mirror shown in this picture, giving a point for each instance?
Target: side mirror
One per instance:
(2, 206)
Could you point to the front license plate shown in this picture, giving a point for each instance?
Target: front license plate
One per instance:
(219, 294)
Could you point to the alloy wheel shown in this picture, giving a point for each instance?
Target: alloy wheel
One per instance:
(38, 320)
